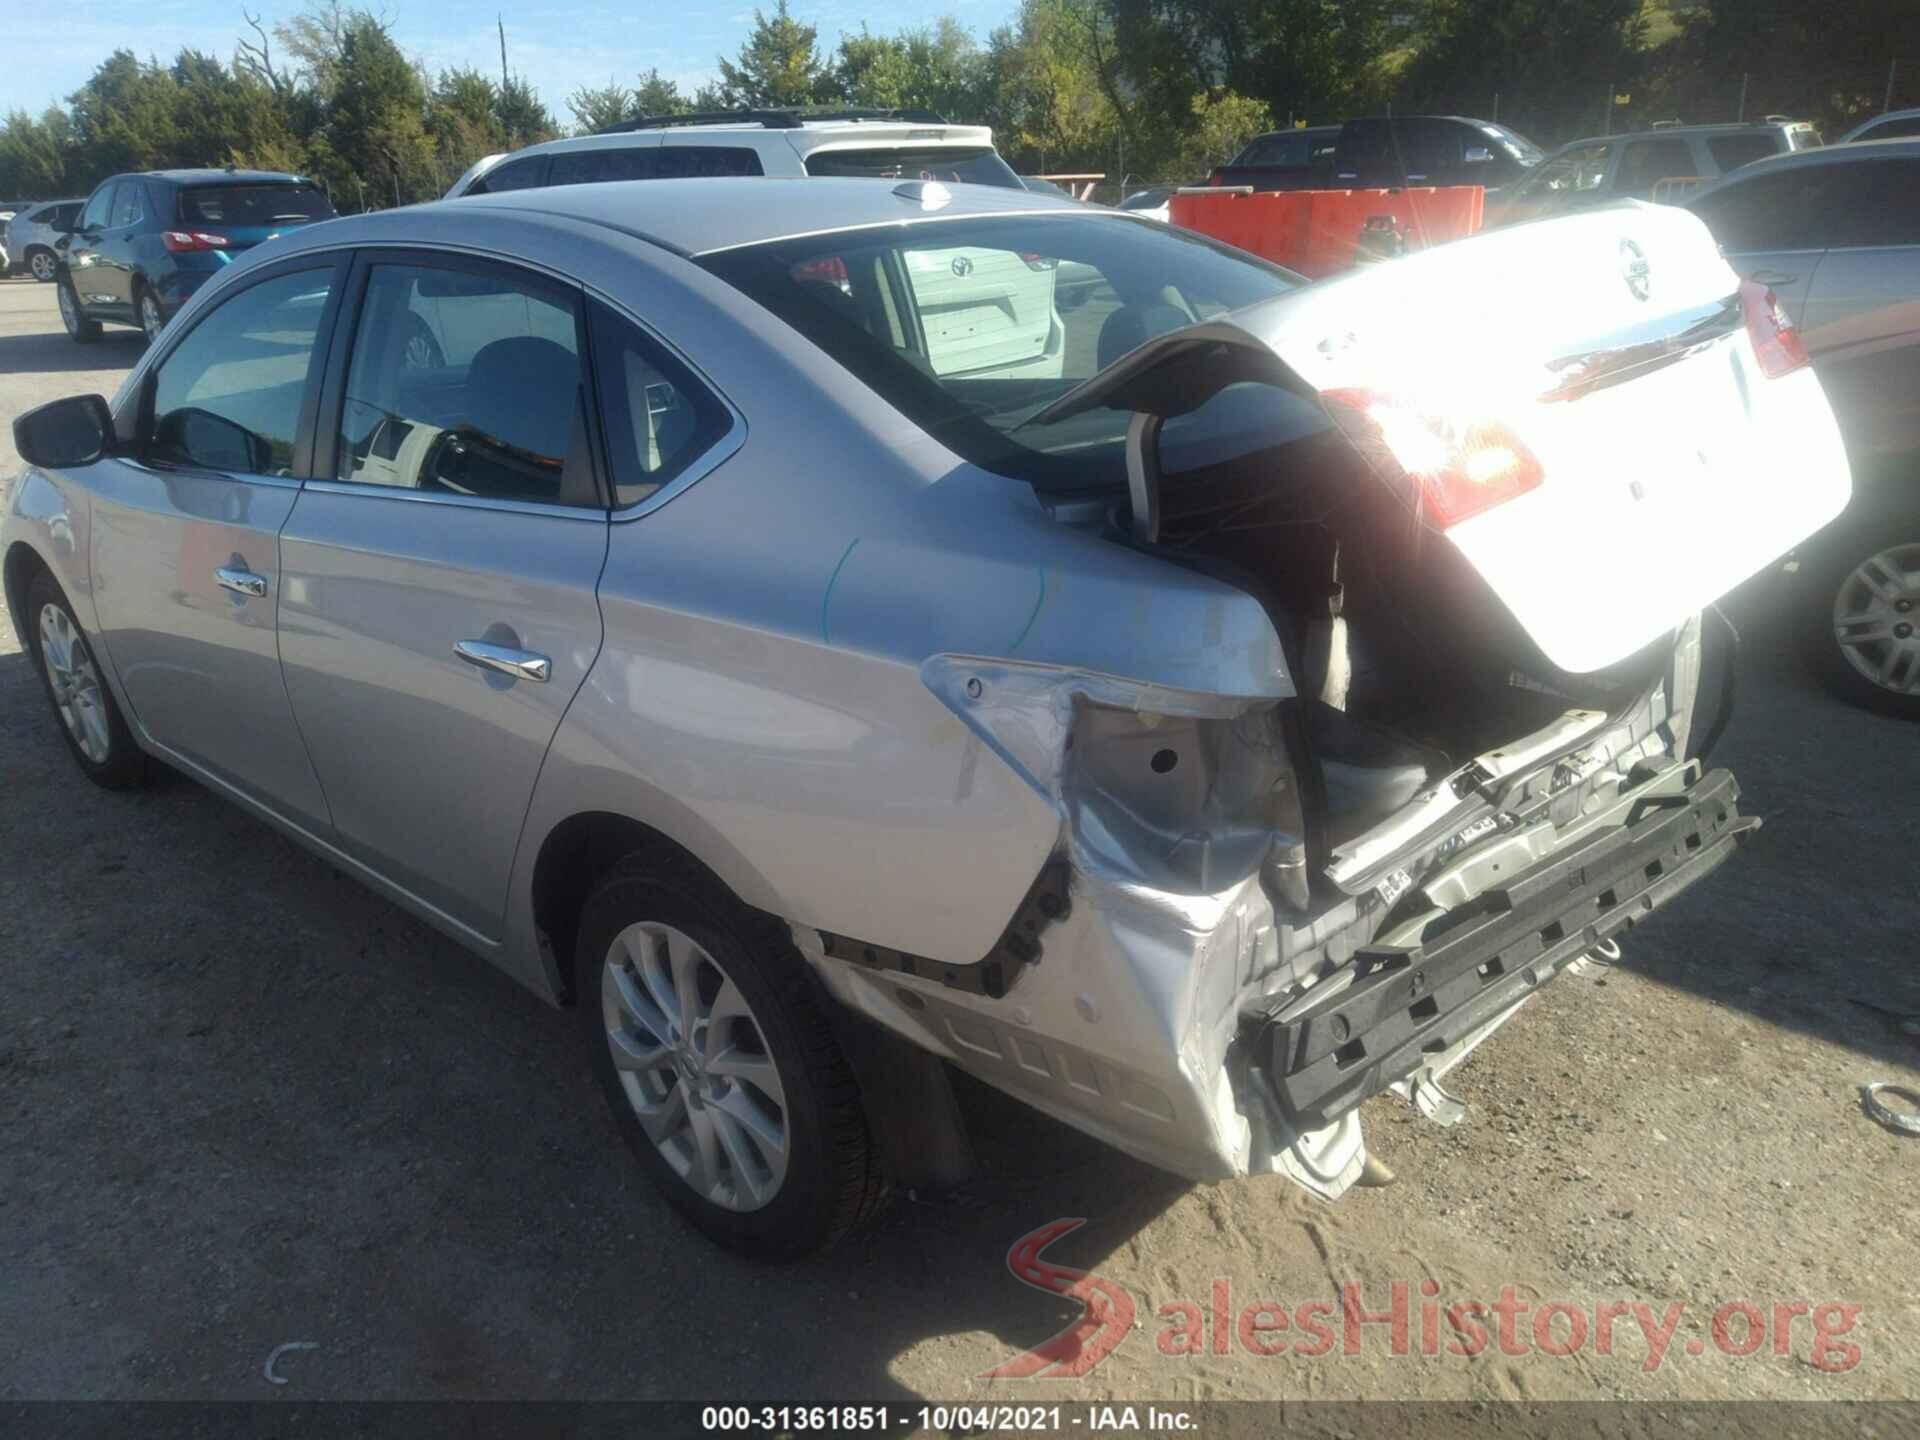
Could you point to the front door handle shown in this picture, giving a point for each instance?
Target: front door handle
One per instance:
(1772, 277)
(241, 582)
(520, 664)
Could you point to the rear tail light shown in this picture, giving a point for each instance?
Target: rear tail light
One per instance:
(1456, 468)
(1776, 342)
(823, 270)
(179, 242)
(1037, 261)
(1214, 177)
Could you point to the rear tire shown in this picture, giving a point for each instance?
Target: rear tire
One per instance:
(730, 1087)
(80, 329)
(40, 265)
(89, 719)
(147, 306)
(1862, 608)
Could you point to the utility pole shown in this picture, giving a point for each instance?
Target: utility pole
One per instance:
(501, 22)
(1887, 104)
(1496, 107)
(1606, 127)
(1743, 97)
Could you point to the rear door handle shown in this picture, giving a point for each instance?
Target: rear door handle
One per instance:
(1772, 277)
(241, 582)
(520, 664)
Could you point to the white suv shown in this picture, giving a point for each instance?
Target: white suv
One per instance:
(982, 309)
(883, 144)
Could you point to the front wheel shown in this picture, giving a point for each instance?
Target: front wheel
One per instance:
(1863, 615)
(40, 265)
(80, 329)
(718, 1062)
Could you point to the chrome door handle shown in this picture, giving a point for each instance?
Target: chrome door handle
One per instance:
(520, 664)
(1772, 277)
(241, 582)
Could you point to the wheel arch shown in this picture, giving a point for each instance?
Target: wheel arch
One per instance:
(17, 570)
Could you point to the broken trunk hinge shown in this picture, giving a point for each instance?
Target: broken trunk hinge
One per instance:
(1019, 945)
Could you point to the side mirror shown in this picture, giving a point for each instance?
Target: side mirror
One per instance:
(65, 242)
(65, 434)
(1478, 155)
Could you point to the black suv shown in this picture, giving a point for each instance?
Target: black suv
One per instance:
(144, 243)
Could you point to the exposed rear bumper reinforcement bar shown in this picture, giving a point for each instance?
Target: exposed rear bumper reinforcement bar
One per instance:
(1409, 1003)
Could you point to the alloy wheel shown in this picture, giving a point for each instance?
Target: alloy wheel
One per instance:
(151, 321)
(69, 312)
(41, 264)
(76, 683)
(1876, 619)
(695, 1066)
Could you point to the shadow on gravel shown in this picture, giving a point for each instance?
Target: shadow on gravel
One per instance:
(1811, 925)
(53, 352)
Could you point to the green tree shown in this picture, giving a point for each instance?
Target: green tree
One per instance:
(524, 119)
(596, 108)
(374, 148)
(655, 95)
(778, 65)
(34, 154)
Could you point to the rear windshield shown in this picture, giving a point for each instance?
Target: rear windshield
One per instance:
(971, 327)
(1299, 148)
(1730, 152)
(952, 163)
(253, 204)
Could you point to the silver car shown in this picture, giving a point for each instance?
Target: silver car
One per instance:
(34, 234)
(1235, 720)
(1835, 233)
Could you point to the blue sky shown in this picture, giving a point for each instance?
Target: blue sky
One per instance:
(558, 46)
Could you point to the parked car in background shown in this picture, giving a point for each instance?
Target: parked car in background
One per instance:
(1383, 152)
(35, 234)
(143, 244)
(1663, 164)
(1894, 125)
(1835, 235)
(1151, 203)
(981, 310)
(1238, 720)
(885, 144)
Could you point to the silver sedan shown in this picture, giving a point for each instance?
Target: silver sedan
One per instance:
(766, 618)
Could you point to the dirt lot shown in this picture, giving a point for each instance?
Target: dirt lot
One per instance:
(243, 1103)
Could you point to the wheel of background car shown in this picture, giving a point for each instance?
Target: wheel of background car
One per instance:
(79, 328)
(1863, 611)
(422, 351)
(40, 264)
(719, 1065)
(89, 719)
(152, 322)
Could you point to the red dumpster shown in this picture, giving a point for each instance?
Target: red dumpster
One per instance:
(1319, 232)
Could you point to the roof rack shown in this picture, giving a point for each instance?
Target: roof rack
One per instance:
(771, 119)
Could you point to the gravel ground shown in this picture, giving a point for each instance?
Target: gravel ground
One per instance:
(243, 1103)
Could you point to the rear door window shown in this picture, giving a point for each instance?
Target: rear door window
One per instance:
(1877, 204)
(1730, 152)
(1785, 210)
(242, 206)
(950, 163)
(229, 396)
(1645, 163)
(527, 173)
(466, 382)
(660, 418)
(1276, 150)
(672, 162)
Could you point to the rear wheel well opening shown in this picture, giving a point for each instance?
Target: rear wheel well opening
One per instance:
(575, 857)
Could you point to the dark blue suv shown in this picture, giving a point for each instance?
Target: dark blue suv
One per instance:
(144, 243)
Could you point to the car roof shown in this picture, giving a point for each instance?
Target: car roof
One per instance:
(210, 176)
(1872, 120)
(752, 134)
(1859, 152)
(699, 216)
(1731, 127)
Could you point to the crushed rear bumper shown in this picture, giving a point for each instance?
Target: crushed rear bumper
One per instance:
(1413, 998)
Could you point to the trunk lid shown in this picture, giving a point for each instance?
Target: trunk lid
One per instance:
(1612, 354)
